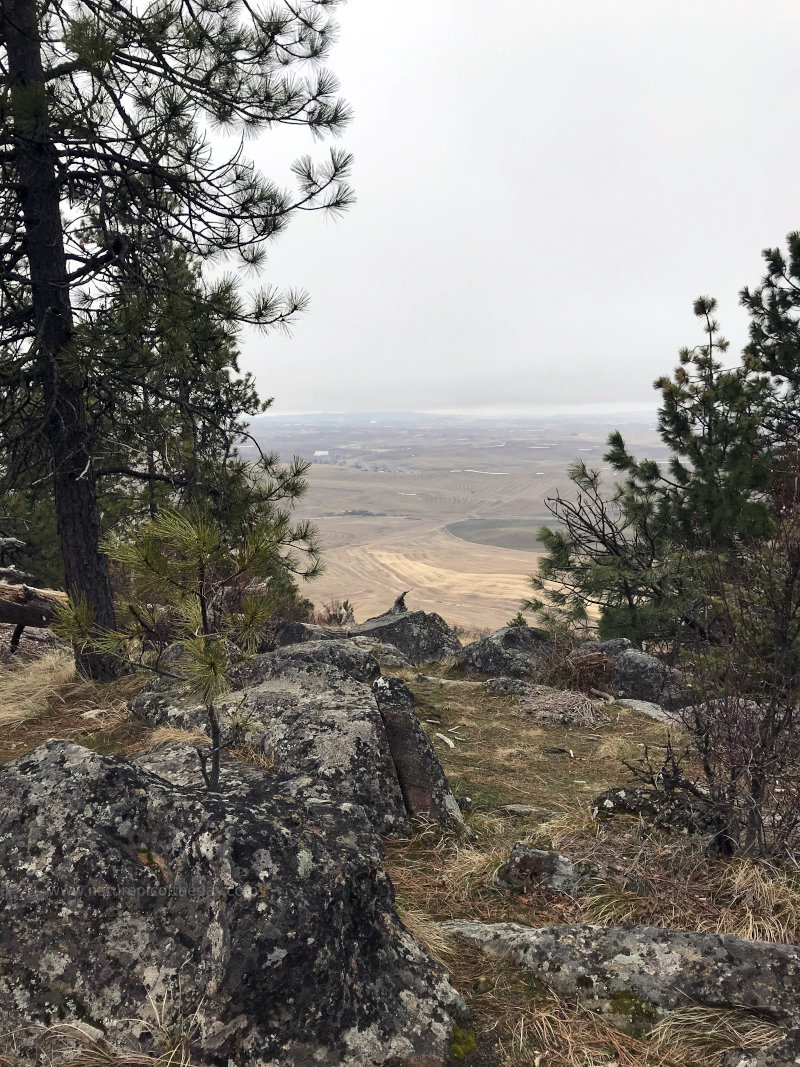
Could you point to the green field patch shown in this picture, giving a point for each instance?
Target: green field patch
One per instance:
(502, 533)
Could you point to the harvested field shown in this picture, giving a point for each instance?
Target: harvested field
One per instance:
(447, 509)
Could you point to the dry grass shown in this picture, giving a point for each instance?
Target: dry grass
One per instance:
(632, 874)
(533, 1027)
(167, 735)
(42, 698)
(27, 686)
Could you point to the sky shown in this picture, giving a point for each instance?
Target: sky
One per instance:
(543, 188)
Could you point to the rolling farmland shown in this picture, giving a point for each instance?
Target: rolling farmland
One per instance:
(445, 507)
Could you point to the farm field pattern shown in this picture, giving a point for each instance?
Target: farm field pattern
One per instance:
(444, 506)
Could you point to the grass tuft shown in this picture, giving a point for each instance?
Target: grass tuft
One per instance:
(29, 686)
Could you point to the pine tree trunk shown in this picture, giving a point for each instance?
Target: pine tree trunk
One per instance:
(66, 425)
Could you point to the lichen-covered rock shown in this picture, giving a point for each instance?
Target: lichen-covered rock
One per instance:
(387, 655)
(178, 763)
(311, 719)
(422, 779)
(358, 663)
(641, 676)
(677, 811)
(512, 652)
(637, 973)
(528, 866)
(612, 647)
(264, 919)
(785, 1053)
(423, 637)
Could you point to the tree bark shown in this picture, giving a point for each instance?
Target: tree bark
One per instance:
(66, 425)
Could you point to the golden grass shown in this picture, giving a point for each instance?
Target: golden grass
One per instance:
(46, 699)
(167, 735)
(27, 687)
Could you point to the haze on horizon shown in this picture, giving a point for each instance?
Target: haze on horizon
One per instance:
(543, 190)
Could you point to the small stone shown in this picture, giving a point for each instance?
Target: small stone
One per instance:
(525, 811)
(535, 866)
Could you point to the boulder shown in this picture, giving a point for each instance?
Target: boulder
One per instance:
(387, 655)
(528, 867)
(644, 707)
(357, 663)
(422, 780)
(640, 676)
(639, 973)
(611, 648)
(293, 633)
(512, 652)
(422, 637)
(310, 718)
(261, 921)
(678, 811)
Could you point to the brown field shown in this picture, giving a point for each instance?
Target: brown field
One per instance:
(474, 586)
(383, 493)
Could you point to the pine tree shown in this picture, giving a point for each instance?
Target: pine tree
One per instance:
(106, 165)
(634, 554)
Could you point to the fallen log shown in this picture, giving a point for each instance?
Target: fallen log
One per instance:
(23, 605)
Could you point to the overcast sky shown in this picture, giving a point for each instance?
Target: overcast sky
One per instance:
(544, 186)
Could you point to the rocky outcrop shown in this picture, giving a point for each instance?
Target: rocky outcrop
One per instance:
(528, 867)
(422, 780)
(640, 676)
(312, 720)
(422, 637)
(343, 655)
(259, 918)
(398, 637)
(638, 973)
(387, 655)
(512, 652)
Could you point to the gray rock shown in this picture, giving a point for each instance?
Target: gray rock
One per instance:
(422, 779)
(640, 676)
(511, 652)
(639, 973)
(612, 647)
(678, 811)
(785, 1053)
(263, 917)
(422, 637)
(356, 662)
(516, 686)
(293, 633)
(311, 719)
(644, 707)
(387, 655)
(528, 866)
(523, 811)
(179, 764)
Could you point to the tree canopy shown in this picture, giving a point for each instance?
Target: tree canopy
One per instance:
(647, 556)
(113, 198)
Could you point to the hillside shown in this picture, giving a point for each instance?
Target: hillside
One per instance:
(499, 749)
